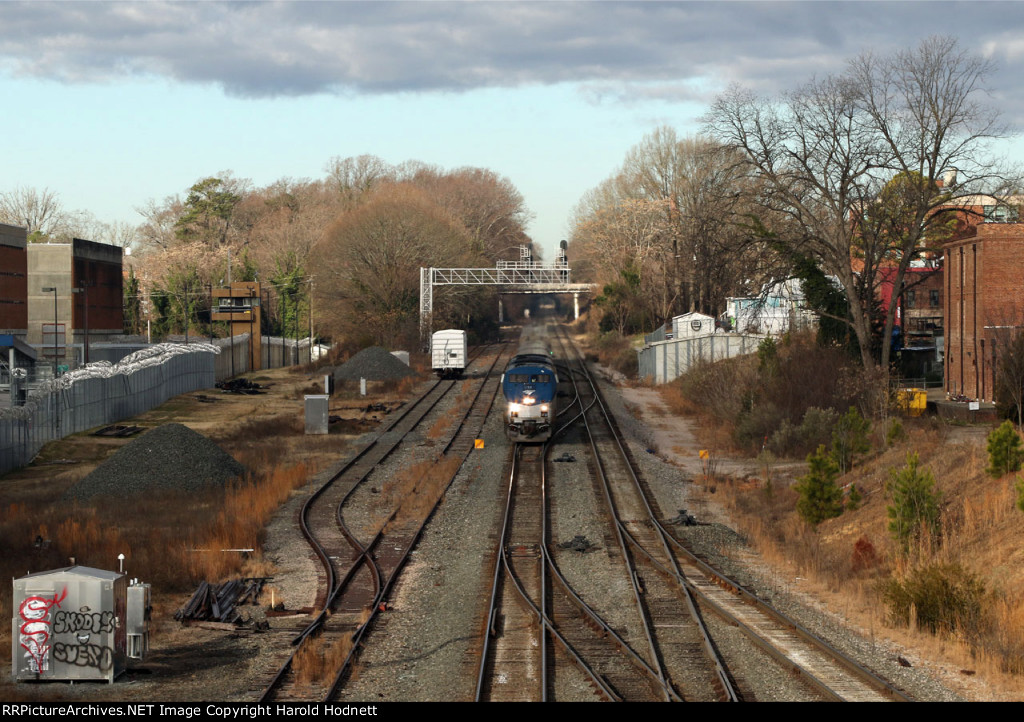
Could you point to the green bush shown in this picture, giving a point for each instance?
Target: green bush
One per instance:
(937, 597)
(854, 498)
(799, 440)
(820, 497)
(1004, 450)
(895, 432)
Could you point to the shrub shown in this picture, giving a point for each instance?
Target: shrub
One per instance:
(820, 496)
(937, 597)
(1004, 450)
(915, 502)
(864, 555)
(1019, 486)
(895, 432)
(799, 440)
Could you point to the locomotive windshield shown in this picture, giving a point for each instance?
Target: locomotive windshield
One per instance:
(529, 378)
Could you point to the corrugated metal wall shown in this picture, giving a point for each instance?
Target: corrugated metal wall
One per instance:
(665, 361)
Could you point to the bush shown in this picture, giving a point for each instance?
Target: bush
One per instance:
(864, 555)
(938, 597)
(799, 440)
(1004, 450)
(820, 496)
(915, 503)
(895, 432)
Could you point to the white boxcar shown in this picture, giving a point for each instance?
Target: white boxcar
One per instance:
(448, 352)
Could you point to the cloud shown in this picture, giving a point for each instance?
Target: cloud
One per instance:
(677, 49)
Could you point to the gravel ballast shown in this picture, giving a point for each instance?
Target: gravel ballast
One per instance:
(169, 457)
(373, 364)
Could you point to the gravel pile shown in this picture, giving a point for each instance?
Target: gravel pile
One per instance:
(171, 456)
(373, 364)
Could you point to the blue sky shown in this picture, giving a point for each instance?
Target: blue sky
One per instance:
(114, 104)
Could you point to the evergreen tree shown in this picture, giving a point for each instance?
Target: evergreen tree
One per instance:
(854, 498)
(820, 496)
(915, 502)
(1004, 450)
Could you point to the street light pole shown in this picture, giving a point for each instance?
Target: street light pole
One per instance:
(84, 290)
(56, 398)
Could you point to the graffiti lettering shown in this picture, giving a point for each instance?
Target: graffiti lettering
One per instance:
(93, 622)
(34, 634)
(84, 655)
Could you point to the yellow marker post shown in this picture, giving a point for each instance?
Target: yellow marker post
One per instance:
(478, 444)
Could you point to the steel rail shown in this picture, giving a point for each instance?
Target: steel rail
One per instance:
(728, 688)
(333, 584)
(865, 675)
(386, 585)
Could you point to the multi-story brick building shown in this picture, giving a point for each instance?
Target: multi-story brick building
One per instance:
(75, 296)
(984, 302)
(13, 281)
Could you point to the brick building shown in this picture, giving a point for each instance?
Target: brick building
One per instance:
(84, 300)
(13, 281)
(984, 303)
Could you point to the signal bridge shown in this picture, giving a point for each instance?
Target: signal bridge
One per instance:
(522, 276)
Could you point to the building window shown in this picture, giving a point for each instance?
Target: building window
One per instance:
(933, 297)
(1000, 214)
(909, 297)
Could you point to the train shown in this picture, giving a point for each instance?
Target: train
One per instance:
(530, 387)
(449, 353)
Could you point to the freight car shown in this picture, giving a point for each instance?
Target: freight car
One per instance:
(448, 353)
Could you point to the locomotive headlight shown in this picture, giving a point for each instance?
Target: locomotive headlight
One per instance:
(544, 408)
(529, 400)
(514, 408)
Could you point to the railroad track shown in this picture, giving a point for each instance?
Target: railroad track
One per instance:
(357, 576)
(827, 671)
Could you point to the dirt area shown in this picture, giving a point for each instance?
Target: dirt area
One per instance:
(193, 662)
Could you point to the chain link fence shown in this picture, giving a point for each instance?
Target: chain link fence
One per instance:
(102, 393)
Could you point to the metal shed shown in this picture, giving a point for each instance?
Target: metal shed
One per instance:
(69, 625)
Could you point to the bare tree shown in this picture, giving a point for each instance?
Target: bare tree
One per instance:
(673, 215)
(923, 106)
(40, 211)
(855, 159)
(352, 178)
(369, 263)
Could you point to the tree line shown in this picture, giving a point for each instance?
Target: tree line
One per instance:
(350, 244)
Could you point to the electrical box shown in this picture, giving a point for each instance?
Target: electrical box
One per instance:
(69, 625)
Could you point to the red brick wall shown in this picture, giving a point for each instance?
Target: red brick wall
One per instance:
(13, 288)
(985, 305)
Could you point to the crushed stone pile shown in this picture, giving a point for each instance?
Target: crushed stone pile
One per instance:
(373, 364)
(171, 456)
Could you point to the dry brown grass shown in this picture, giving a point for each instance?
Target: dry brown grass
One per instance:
(318, 661)
(981, 532)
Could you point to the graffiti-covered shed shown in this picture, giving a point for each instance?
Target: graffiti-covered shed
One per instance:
(69, 625)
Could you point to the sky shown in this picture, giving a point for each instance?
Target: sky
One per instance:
(112, 105)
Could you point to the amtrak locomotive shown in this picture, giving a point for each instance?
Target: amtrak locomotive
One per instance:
(530, 385)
